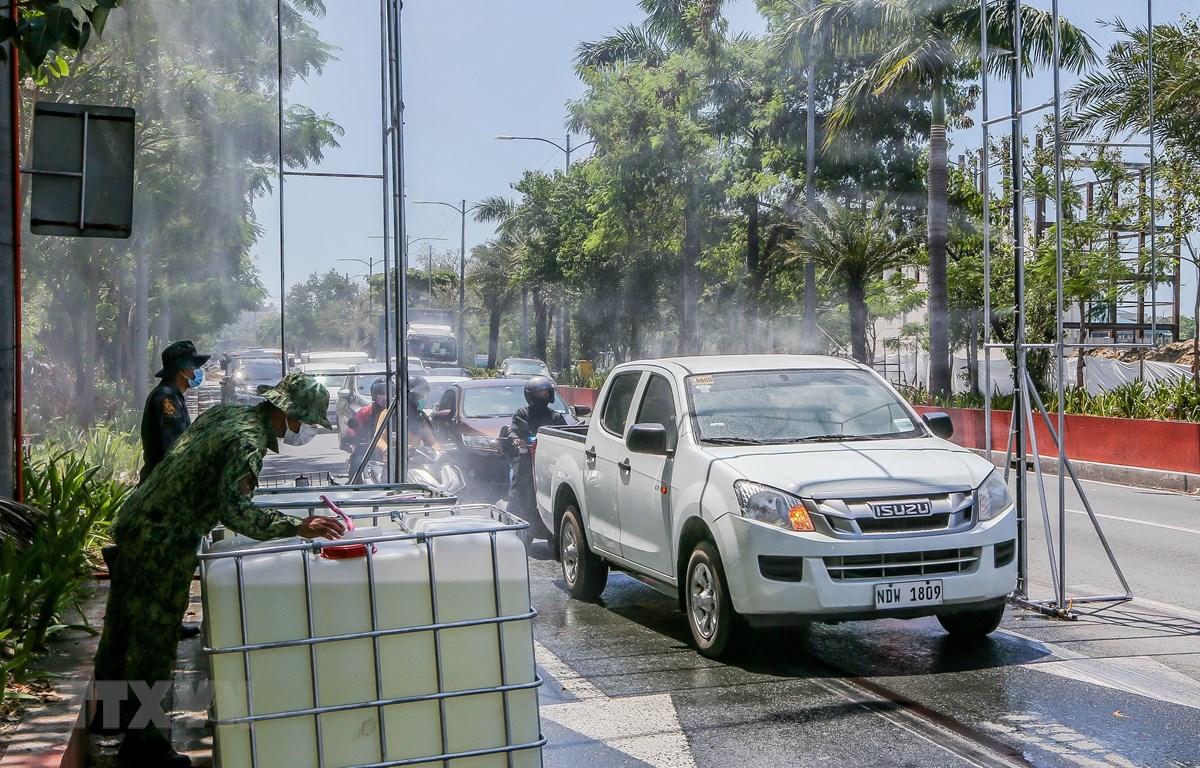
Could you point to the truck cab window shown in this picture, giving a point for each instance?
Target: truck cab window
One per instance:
(620, 397)
(658, 407)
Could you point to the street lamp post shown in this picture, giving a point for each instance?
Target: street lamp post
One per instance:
(564, 333)
(462, 210)
(409, 242)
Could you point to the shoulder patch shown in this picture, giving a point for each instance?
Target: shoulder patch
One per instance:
(168, 407)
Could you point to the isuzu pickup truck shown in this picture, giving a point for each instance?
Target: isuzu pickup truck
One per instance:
(776, 489)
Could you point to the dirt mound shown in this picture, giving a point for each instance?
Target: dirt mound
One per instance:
(1176, 352)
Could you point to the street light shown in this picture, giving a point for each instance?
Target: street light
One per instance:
(462, 210)
(564, 148)
(564, 333)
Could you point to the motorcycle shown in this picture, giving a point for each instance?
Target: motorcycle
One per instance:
(522, 496)
(433, 469)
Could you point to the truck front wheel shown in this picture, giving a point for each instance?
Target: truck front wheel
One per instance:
(972, 625)
(584, 573)
(714, 623)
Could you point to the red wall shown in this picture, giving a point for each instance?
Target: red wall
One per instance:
(1173, 446)
(579, 395)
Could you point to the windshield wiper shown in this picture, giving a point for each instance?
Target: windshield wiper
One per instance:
(842, 437)
(738, 441)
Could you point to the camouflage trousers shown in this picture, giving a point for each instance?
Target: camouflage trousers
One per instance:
(147, 598)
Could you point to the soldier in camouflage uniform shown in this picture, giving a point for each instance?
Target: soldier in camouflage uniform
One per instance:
(206, 478)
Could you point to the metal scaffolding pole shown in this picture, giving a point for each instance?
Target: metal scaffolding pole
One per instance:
(1027, 402)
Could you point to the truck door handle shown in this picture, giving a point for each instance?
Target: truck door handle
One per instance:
(590, 453)
(625, 465)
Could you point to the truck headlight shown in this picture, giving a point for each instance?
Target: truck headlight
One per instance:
(483, 442)
(772, 506)
(992, 498)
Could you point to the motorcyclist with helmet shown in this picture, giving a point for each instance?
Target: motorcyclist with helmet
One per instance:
(420, 428)
(362, 425)
(516, 439)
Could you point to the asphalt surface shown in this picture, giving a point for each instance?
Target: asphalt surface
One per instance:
(1118, 686)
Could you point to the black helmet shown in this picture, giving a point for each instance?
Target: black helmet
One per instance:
(539, 391)
(418, 390)
(379, 388)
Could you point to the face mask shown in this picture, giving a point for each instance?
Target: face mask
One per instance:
(307, 432)
(421, 403)
(197, 378)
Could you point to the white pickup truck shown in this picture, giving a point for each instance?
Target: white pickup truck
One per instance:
(776, 489)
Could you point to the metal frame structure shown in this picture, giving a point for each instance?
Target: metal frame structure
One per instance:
(1027, 403)
(504, 523)
(395, 247)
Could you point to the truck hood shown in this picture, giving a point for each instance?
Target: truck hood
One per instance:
(858, 469)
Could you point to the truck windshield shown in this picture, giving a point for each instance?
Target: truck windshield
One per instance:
(441, 349)
(795, 406)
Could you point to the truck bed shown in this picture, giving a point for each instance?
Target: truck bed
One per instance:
(575, 432)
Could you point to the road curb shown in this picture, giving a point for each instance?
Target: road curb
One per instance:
(1137, 477)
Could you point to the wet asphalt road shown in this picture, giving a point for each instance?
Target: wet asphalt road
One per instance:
(1121, 687)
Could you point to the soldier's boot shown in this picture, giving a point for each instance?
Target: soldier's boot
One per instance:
(148, 749)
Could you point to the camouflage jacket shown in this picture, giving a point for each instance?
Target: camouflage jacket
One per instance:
(206, 478)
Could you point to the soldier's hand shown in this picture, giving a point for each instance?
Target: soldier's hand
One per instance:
(322, 527)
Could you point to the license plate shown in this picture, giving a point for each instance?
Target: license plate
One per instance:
(905, 594)
(902, 509)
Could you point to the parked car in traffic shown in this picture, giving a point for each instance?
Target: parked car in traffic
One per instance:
(331, 376)
(469, 415)
(443, 371)
(245, 374)
(522, 368)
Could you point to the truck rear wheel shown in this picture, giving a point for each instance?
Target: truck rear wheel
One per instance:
(714, 623)
(972, 625)
(584, 573)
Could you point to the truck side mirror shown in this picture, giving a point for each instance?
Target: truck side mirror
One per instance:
(647, 438)
(442, 415)
(939, 424)
(582, 410)
(343, 394)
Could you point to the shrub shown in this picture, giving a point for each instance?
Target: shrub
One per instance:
(45, 574)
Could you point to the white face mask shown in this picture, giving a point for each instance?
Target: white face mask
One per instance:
(307, 432)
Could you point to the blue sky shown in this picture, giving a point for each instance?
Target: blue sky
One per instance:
(475, 69)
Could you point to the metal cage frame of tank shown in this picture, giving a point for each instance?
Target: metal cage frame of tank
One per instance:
(366, 502)
(507, 523)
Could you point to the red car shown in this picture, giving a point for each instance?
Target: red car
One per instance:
(470, 415)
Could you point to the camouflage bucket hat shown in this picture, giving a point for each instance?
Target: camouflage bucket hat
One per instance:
(301, 397)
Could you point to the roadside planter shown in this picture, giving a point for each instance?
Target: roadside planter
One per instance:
(1170, 446)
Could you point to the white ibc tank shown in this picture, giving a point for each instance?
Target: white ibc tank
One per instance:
(356, 674)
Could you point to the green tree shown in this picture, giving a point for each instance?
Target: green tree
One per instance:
(854, 244)
(206, 148)
(329, 311)
(918, 43)
(490, 281)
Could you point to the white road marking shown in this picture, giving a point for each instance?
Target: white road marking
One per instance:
(1140, 675)
(646, 728)
(1066, 743)
(1139, 522)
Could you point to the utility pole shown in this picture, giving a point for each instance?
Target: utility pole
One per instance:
(810, 195)
(10, 273)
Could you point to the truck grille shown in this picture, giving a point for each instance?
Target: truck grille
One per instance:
(937, 562)
(856, 517)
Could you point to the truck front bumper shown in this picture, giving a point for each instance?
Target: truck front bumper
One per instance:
(779, 576)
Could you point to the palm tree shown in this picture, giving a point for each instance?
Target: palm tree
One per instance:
(491, 269)
(853, 244)
(927, 45)
(1112, 101)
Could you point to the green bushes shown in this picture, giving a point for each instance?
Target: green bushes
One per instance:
(45, 572)
(1168, 400)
